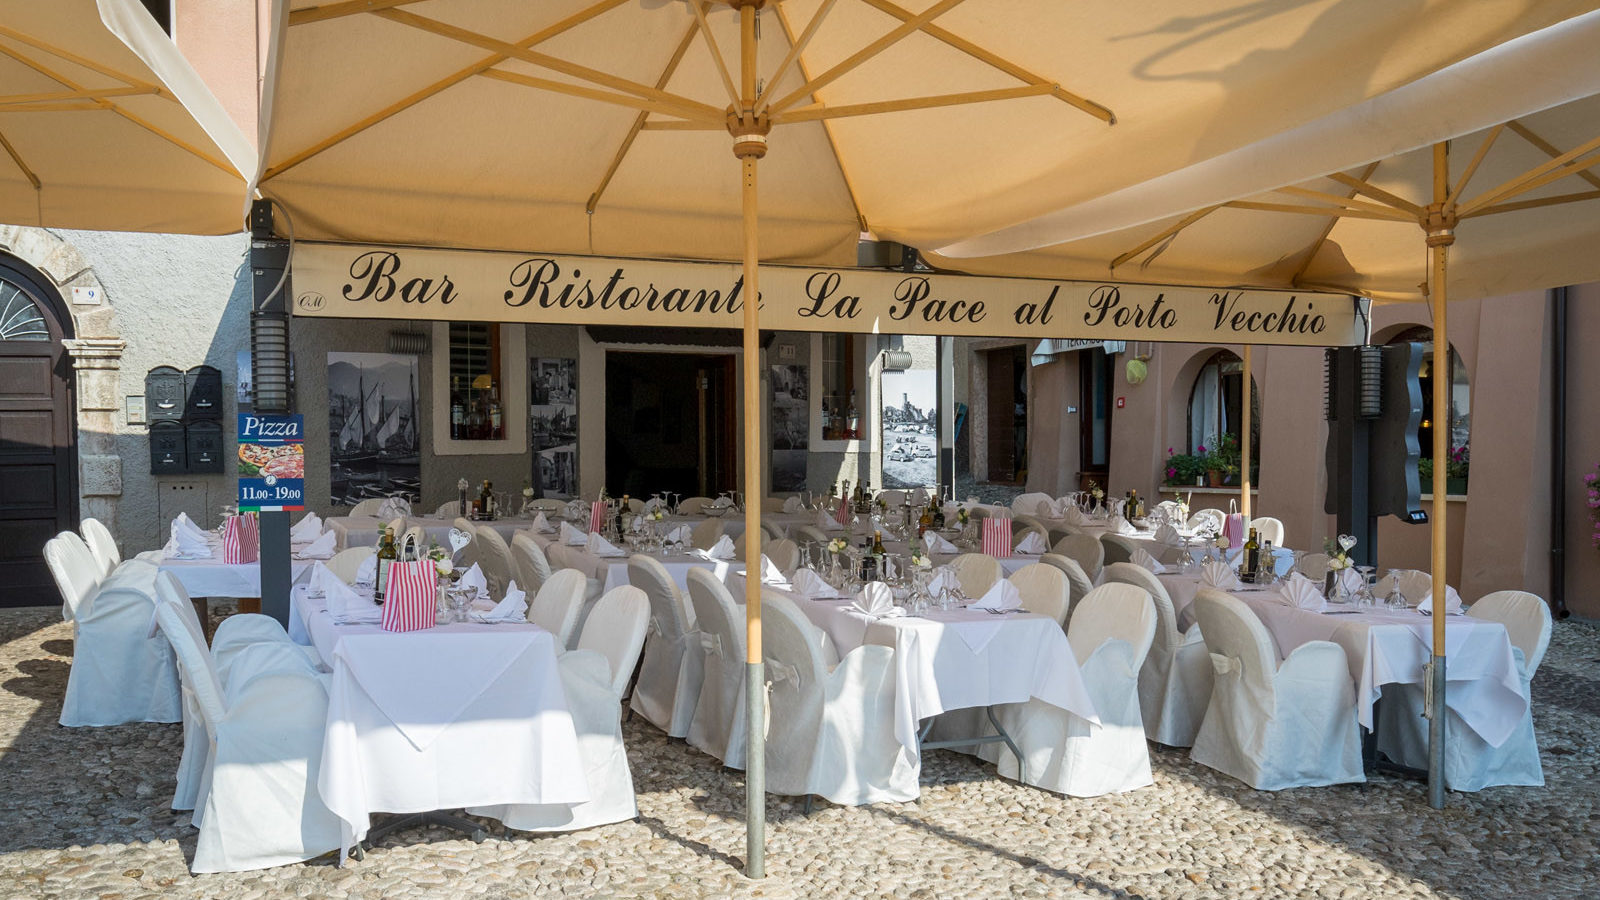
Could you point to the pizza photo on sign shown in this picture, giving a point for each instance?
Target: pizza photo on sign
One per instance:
(285, 461)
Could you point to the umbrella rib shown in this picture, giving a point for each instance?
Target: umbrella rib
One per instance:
(1477, 207)
(410, 100)
(827, 127)
(639, 120)
(865, 53)
(1550, 149)
(71, 57)
(796, 47)
(824, 111)
(591, 93)
(1532, 178)
(87, 94)
(17, 158)
(340, 10)
(1363, 187)
(1477, 160)
(1378, 209)
(543, 60)
(1336, 211)
(1536, 203)
(1327, 229)
(716, 52)
(1165, 233)
(1015, 71)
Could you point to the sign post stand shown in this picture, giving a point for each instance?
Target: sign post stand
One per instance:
(272, 473)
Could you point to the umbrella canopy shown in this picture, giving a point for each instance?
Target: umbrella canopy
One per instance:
(104, 125)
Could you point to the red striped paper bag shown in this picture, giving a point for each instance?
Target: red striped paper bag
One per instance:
(410, 601)
(597, 516)
(842, 514)
(241, 540)
(997, 537)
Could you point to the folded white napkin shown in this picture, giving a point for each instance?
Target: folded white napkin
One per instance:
(344, 604)
(877, 600)
(1219, 575)
(810, 586)
(393, 507)
(541, 524)
(793, 505)
(943, 577)
(321, 548)
(473, 578)
(572, 536)
(1350, 579)
(306, 529)
(1302, 592)
(1166, 534)
(827, 522)
(513, 608)
(1452, 602)
(187, 526)
(599, 546)
(680, 535)
(936, 543)
(1004, 595)
(187, 541)
(1072, 515)
(1031, 545)
(770, 573)
(1142, 558)
(367, 572)
(1118, 525)
(722, 549)
(636, 524)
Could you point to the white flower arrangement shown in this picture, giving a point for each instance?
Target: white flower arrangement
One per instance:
(444, 566)
(657, 515)
(1338, 562)
(837, 545)
(1222, 542)
(527, 492)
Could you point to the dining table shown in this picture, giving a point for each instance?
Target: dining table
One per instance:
(210, 576)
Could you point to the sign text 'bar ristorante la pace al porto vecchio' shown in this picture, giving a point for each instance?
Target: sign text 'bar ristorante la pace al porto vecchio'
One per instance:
(373, 282)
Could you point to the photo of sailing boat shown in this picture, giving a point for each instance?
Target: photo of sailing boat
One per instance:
(373, 427)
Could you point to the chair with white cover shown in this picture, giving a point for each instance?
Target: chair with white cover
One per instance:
(1268, 529)
(739, 544)
(1214, 518)
(1415, 585)
(347, 562)
(669, 678)
(976, 573)
(705, 535)
(466, 556)
(1175, 681)
(414, 537)
(691, 506)
(1084, 549)
(529, 563)
(1470, 762)
(1110, 634)
(556, 605)
(594, 571)
(1313, 566)
(546, 505)
(1078, 583)
(1028, 504)
(893, 498)
(259, 804)
(1274, 725)
(367, 507)
(494, 559)
(593, 677)
(119, 673)
(810, 534)
(772, 504)
(831, 731)
(1118, 549)
(1044, 590)
(100, 542)
(718, 725)
(1020, 532)
(784, 553)
(397, 527)
(75, 569)
(773, 531)
(448, 510)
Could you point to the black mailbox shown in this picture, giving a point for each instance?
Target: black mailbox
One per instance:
(168, 449)
(203, 394)
(164, 394)
(206, 453)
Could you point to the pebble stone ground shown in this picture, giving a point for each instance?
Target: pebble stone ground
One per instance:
(83, 814)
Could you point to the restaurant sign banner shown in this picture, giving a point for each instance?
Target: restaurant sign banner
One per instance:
(272, 463)
(363, 281)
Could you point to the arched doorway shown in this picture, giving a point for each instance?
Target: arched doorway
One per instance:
(38, 442)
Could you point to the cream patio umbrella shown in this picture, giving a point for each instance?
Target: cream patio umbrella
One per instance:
(104, 125)
(589, 127)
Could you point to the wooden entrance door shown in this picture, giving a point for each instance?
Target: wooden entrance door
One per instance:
(1008, 415)
(38, 448)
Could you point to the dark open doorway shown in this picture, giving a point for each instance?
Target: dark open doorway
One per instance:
(670, 420)
(1008, 415)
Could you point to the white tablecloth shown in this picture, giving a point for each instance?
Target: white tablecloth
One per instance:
(1391, 647)
(362, 531)
(214, 578)
(454, 716)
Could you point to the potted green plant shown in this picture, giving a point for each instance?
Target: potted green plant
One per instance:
(1183, 468)
(1455, 471)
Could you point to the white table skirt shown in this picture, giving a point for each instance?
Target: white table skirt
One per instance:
(215, 578)
(1385, 646)
(454, 716)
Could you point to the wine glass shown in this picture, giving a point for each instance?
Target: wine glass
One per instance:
(1395, 599)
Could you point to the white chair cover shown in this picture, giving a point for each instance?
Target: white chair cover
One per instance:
(1314, 566)
(75, 570)
(528, 562)
(784, 553)
(1028, 504)
(976, 572)
(1110, 634)
(739, 543)
(1044, 590)
(260, 805)
(119, 672)
(546, 505)
(669, 679)
(1271, 725)
(718, 726)
(773, 531)
(1118, 549)
(347, 562)
(1175, 680)
(705, 534)
(691, 506)
(1078, 583)
(810, 534)
(494, 558)
(1470, 763)
(830, 732)
(448, 510)
(101, 544)
(1084, 549)
(892, 498)
(557, 603)
(1268, 529)
(1021, 530)
(593, 677)
(368, 507)
(772, 504)
(1215, 518)
(466, 556)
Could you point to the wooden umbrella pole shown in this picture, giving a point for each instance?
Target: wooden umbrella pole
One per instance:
(1439, 223)
(749, 145)
(1244, 439)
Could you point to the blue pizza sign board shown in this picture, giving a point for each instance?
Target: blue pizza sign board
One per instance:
(272, 463)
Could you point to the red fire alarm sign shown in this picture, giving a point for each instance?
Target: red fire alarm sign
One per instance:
(1122, 402)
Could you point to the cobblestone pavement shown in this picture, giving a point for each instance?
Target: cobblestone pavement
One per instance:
(83, 814)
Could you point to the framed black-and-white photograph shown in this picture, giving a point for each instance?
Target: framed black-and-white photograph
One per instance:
(791, 427)
(553, 425)
(910, 429)
(374, 434)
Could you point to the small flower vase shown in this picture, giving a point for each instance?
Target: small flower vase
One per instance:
(1333, 587)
